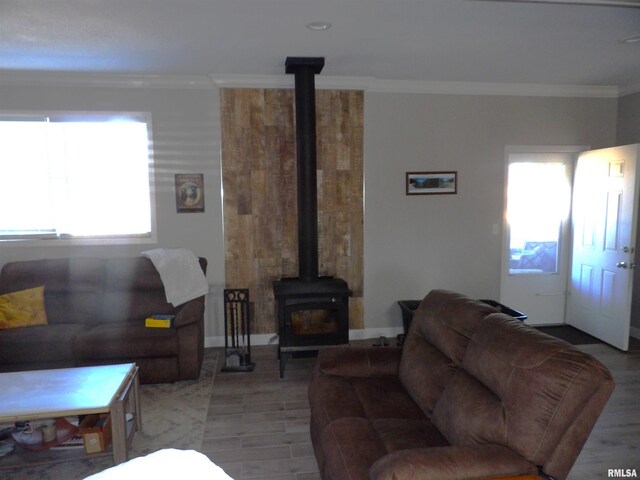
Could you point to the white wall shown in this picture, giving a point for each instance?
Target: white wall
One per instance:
(416, 243)
(629, 120)
(186, 134)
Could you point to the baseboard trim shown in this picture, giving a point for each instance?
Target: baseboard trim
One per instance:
(272, 339)
(365, 333)
(359, 334)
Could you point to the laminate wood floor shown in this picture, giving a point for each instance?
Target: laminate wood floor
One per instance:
(258, 425)
(615, 440)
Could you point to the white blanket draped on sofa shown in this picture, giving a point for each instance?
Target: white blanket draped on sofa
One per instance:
(180, 272)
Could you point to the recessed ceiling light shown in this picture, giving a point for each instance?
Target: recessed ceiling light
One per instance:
(318, 26)
(631, 39)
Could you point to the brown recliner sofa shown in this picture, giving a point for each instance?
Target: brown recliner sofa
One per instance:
(96, 310)
(472, 394)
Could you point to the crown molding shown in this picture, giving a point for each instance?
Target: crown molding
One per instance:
(112, 80)
(629, 90)
(369, 84)
(324, 82)
(500, 89)
(253, 81)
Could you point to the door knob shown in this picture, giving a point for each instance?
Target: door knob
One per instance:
(621, 265)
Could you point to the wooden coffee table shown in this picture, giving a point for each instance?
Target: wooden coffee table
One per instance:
(45, 394)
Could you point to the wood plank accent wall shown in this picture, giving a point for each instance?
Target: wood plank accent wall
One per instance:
(259, 185)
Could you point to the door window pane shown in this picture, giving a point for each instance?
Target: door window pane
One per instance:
(537, 204)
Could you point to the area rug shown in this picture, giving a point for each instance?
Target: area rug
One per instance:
(173, 416)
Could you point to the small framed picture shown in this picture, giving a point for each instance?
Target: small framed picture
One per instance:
(189, 192)
(432, 183)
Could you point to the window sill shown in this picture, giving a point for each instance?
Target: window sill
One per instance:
(60, 242)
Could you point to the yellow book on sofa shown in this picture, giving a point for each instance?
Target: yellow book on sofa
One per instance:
(159, 321)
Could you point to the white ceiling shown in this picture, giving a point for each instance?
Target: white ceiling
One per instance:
(416, 40)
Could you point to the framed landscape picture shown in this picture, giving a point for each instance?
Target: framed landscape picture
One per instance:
(189, 192)
(431, 183)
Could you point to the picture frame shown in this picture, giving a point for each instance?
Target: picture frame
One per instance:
(189, 192)
(431, 183)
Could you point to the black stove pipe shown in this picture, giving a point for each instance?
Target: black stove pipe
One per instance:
(304, 69)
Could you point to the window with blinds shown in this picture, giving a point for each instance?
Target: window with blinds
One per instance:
(76, 176)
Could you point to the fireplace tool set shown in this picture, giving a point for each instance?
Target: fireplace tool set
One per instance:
(237, 328)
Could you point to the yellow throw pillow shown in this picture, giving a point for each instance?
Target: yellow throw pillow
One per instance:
(22, 309)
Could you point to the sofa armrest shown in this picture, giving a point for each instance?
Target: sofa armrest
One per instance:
(190, 312)
(452, 463)
(358, 361)
(189, 324)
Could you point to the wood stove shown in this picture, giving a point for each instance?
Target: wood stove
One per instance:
(312, 311)
(310, 315)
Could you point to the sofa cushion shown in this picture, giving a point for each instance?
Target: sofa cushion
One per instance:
(401, 434)
(23, 309)
(129, 306)
(453, 463)
(43, 343)
(352, 445)
(73, 286)
(477, 416)
(132, 274)
(385, 398)
(436, 343)
(125, 341)
(133, 291)
(358, 361)
(333, 397)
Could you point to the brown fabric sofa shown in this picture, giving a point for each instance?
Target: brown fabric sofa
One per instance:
(96, 310)
(472, 394)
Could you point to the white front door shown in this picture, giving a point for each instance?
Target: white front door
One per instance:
(604, 221)
(536, 252)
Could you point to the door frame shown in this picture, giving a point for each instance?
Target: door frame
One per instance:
(566, 249)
